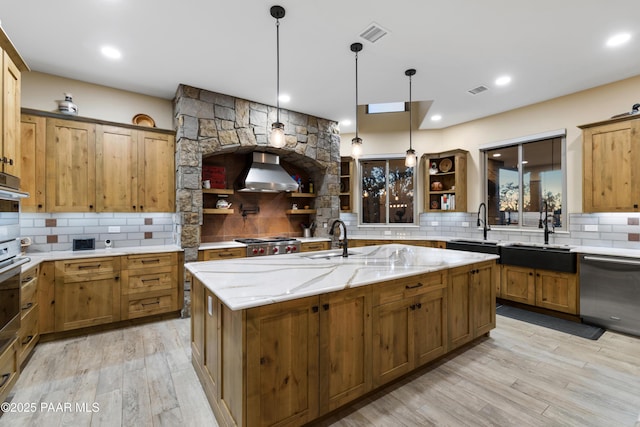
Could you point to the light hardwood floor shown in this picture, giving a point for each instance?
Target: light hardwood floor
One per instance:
(523, 375)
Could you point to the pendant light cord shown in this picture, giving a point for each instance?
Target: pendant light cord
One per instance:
(410, 114)
(356, 95)
(278, 70)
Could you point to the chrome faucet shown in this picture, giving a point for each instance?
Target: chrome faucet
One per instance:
(546, 223)
(483, 221)
(344, 243)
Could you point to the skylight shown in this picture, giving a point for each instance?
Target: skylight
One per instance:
(386, 107)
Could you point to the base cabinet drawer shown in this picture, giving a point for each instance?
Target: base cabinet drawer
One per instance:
(8, 369)
(149, 303)
(132, 262)
(28, 336)
(315, 246)
(226, 253)
(157, 280)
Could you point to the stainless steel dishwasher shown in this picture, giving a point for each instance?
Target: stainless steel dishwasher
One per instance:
(610, 292)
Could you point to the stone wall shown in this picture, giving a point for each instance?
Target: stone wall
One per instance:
(209, 123)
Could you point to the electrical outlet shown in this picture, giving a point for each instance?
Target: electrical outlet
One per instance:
(114, 229)
(465, 224)
(387, 232)
(590, 227)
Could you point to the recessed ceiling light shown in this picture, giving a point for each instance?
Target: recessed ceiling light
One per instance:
(497, 155)
(111, 52)
(284, 97)
(503, 80)
(618, 39)
(346, 122)
(436, 117)
(524, 162)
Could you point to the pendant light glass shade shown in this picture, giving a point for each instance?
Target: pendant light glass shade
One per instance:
(356, 143)
(411, 159)
(277, 137)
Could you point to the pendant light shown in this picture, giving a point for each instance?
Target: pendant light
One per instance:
(277, 138)
(411, 159)
(356, 143)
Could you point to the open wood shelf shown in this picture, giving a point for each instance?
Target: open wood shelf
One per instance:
(301, 195)
(218, 190)
(300, 211)
(214, 211)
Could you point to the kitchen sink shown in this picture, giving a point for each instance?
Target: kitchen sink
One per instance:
(328, 254)
(483, 246)
(545, 257)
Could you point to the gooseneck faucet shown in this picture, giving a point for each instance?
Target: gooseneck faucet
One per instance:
(483, 221)
(546, 223)
(344, 243)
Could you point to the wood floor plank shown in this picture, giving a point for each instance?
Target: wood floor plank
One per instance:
(522, 375)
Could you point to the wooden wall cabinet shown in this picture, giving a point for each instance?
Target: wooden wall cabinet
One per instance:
(82, 166)
(610, 159)
(12, 66)
(33, 131)
(541, 288)
(445, 177)
(70, 166)
(29, 333)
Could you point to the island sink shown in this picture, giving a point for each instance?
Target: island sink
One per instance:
(545, 257)
(329, 254)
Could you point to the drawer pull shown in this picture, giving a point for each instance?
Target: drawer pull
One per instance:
(27, 279)
(5, 378)
(225, 254)
(27, 340)
(144, 304)
(151, 261)
(155, 279)
(27, 306)
(81, 267)
(419, 285)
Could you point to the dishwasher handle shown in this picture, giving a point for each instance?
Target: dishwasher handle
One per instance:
(612, 260)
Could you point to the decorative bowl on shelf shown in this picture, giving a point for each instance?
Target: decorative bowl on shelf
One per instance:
(436, 186)
(445, 165)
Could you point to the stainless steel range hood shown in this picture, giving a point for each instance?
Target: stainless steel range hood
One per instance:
(265, 175)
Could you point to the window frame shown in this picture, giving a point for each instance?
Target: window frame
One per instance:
(519, 142)
(386, 158)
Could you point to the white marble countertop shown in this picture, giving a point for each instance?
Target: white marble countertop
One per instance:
(251, 282)
(38, 257)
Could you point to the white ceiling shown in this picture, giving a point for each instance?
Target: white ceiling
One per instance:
(549, 48)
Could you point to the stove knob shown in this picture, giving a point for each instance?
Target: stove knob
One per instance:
(275, 250)
(294, 248)
(288, 249)
(255, 251)
(261, 251)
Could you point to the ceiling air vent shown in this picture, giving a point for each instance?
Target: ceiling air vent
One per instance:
(477, 90)
(373, 33)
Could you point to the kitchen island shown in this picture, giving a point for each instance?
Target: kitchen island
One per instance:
(284, 340)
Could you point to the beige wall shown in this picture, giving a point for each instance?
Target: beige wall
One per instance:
(566, 112)
(41, 91)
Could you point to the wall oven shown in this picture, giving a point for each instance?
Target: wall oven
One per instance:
(10, 264)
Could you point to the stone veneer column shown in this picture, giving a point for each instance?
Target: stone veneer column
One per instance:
(211, 123)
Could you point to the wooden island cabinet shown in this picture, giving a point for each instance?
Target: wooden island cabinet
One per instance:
(290, 362)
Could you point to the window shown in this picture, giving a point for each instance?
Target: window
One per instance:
(387, 191)
(520, 177)
(386, 107)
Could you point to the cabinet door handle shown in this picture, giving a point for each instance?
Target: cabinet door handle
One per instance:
(419, 305)
(325, 307)
(315, 308)
(5, 378)
(90, 206)
(27, 340)
(141, 207)
(412, 306)
(419, 285)
(27, 306)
